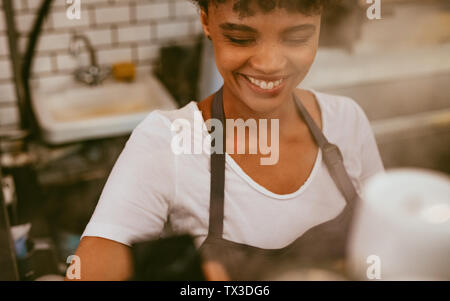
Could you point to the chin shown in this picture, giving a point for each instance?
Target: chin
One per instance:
(263, 105)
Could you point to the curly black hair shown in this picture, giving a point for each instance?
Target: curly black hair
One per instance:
(308, 7)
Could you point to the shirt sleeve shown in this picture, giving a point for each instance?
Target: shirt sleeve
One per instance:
(371, 162)
(136, 198)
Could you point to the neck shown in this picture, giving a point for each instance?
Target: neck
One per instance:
(286, 114)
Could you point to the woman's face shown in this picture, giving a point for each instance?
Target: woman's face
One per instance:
(262, 58)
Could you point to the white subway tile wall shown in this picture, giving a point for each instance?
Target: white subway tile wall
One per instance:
(153, 11)
(120, 30)
(5, 70)
(60, 19)
(42, 64)
(109, 56)
(147, 53)
(3, 46)
(185, 8)
(7, 91)
(134, 33)
(108, 15)
(2, 22)
(8, 115)
(99, 37)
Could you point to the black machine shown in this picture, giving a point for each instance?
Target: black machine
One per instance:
(173, 258)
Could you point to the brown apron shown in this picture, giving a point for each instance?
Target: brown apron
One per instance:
(318, 247)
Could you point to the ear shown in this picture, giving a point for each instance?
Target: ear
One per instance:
(205, 24)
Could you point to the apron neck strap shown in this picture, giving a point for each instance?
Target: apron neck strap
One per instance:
(332, 156)
(217, 187)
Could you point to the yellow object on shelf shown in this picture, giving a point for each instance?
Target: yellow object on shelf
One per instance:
(124, 71)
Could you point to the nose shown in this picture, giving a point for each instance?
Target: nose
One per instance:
(268, 59)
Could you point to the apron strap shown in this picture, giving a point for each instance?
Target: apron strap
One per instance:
(217, 187)
(332, 157)
(331, 154)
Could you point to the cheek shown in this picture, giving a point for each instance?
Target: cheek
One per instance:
(303, 60)
(228, 59)
(304, 57)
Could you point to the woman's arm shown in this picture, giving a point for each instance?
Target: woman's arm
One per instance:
(134, 203)
(103, 259)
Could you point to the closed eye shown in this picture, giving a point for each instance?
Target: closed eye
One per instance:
(297, 41)
(239, 41)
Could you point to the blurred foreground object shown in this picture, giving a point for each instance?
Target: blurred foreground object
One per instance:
(308, 275)
(172, 258)
(402, 227)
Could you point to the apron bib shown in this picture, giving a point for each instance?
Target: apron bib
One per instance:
(318, 247)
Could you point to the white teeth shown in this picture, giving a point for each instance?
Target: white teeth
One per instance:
(265, 85)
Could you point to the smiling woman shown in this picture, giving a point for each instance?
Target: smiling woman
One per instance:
(247, 216)
(259, 57)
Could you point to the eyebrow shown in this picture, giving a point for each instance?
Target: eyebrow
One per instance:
(245, 28)
(239, 27)
(301, 27)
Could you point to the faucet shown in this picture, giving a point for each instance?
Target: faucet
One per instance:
(92, 74)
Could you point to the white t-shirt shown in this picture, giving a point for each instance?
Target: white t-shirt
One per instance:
(150, 185)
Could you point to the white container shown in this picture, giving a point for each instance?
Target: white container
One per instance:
(403, 222)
